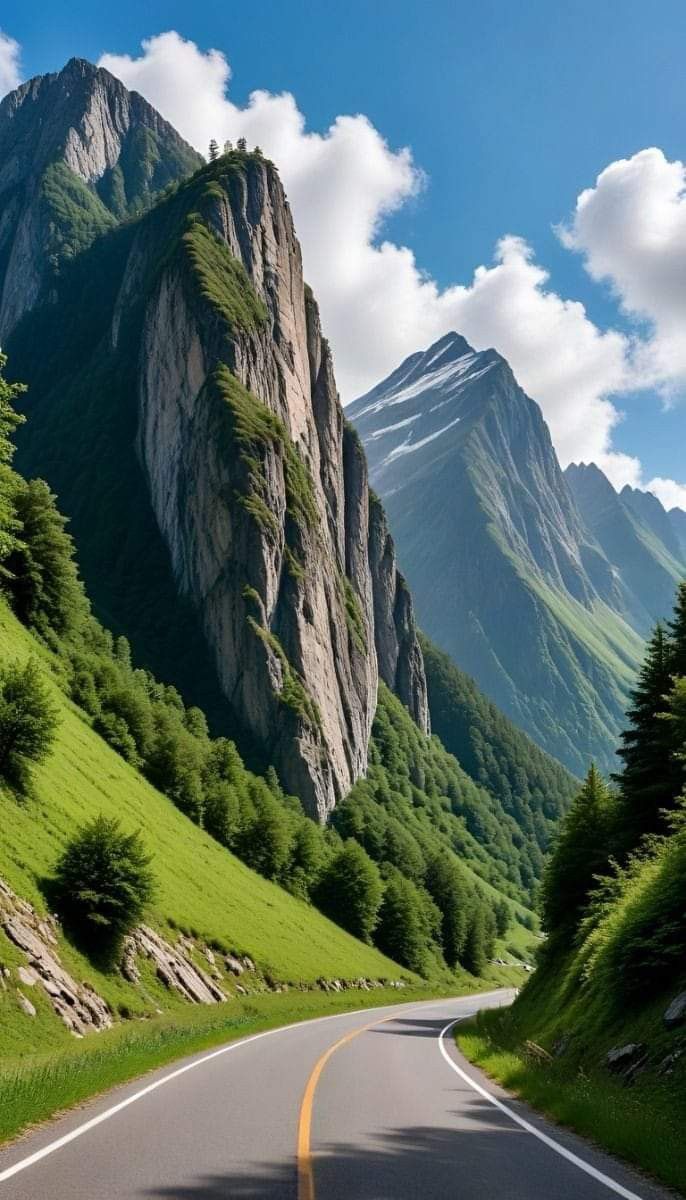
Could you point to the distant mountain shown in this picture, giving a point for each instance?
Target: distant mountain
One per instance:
(677, 517)
(506, 576)
(78, 152)
(638, 539)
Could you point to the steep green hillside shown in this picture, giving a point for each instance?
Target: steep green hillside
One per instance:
(598, 1036)
(201, 886)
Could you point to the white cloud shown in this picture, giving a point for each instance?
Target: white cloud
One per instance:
(669, 493)
(379, 306)
(9, 64)
(631, 230)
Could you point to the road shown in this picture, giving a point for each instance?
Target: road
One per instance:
(377, 1105)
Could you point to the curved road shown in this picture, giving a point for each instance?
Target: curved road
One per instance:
(377, 1105)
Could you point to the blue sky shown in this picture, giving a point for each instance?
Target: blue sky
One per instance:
(510, 110)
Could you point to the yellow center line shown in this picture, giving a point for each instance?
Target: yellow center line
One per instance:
(306, 1190)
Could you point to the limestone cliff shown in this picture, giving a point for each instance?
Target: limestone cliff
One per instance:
(206, 353)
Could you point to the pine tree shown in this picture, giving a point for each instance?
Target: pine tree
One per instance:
(213, 150)
(474, 955)
(677, 631)
(446, 886)
(242, 144)
(651, 778)
(401, 932)
(582, 852)
(44, 587)
(9, 420)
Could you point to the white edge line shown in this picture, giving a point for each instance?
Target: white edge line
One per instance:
(537, 1133)
(24, 1163)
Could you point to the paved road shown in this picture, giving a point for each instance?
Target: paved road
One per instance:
(390, 1114)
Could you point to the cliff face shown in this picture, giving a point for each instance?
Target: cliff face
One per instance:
(239, 465)
(77, 151)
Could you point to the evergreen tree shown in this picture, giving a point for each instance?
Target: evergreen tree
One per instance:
(44, 587)
(651, 779)
(474, 956)
(677, 630)
(350, 890)
(213, 150)
(402, 931)
(9, 421)
(581, 853)
(28, 721)
(445, 884)
(241, 144)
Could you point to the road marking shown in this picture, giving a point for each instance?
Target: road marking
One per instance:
(304, 1149)
(31, 1159)
(537, 1133)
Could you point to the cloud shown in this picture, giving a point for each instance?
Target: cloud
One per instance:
(669, 493)
(631, 230)
(377, 304)
(10, 77)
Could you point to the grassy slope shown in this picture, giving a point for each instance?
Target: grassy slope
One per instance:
(642, 1122)
(201, 886)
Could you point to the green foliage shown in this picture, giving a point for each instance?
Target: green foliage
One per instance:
(75, 214)
(10, 420)
(353, 614)
(408, 922)
(222, 279)
(350, 890)
(44, 588)
(28, 722)
(475, 955)
(580, 855)
(530, 790)
(293, 693)
(103, 882)
(447, 886)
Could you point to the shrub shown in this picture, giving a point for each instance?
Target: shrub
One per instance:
(28, 721)
(103, 882)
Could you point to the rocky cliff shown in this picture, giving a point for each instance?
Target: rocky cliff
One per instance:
(77, 152)
(193, 431)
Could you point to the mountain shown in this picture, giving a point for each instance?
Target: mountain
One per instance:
(677, 517)
(184, 408)
(77, 153)
(638, 539)
(505, 575)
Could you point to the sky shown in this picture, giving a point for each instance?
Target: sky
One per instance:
(511, 171)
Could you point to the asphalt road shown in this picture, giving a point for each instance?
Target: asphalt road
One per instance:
(352, 1107)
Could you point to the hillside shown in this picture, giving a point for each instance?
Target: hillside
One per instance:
(505, 575)
(597, 1036)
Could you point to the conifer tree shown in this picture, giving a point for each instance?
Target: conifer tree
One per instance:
(677, 631)
(445, 884)
(582, 852)
(651, 778)
(9, 420)
(213, 150)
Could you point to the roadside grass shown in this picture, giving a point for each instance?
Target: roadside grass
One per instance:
(642, 1122)
(33, 1089)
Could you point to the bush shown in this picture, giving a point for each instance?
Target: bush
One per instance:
(103, 882)
(28, 721)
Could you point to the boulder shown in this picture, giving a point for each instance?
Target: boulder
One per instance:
(676, 1012)
(25, 1004)
(624, 1058)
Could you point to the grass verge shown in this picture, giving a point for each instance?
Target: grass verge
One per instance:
(43, 1085)
(642, 1123)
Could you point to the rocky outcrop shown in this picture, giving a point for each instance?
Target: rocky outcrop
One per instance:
(77, 151)
(77, 1004)
(174, 967)
(246, 498)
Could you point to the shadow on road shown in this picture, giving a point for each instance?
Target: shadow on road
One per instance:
(481, 1157)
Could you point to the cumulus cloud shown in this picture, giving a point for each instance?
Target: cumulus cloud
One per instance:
(669, 493)
(631, 230)
(377, 304)
(9, 64)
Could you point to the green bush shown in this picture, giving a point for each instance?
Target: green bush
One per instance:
(28, 721)
(103, 882)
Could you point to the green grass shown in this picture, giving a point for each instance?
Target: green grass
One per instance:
(201, 887)
(643, 1123)
(221, 278)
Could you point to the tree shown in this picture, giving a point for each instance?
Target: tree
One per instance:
(651, 779)
(475, 951)
(581, 854)
(402, 931)
(103, 881)
(28, 721)
(213, 150)
(241, 144)
(264, 841)
(228, 147)
(350, 890)
(677, 631)
(503, 917)
(306, 859)
(9, 421)
(445, 883)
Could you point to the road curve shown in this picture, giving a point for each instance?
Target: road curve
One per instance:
(374, 1105)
